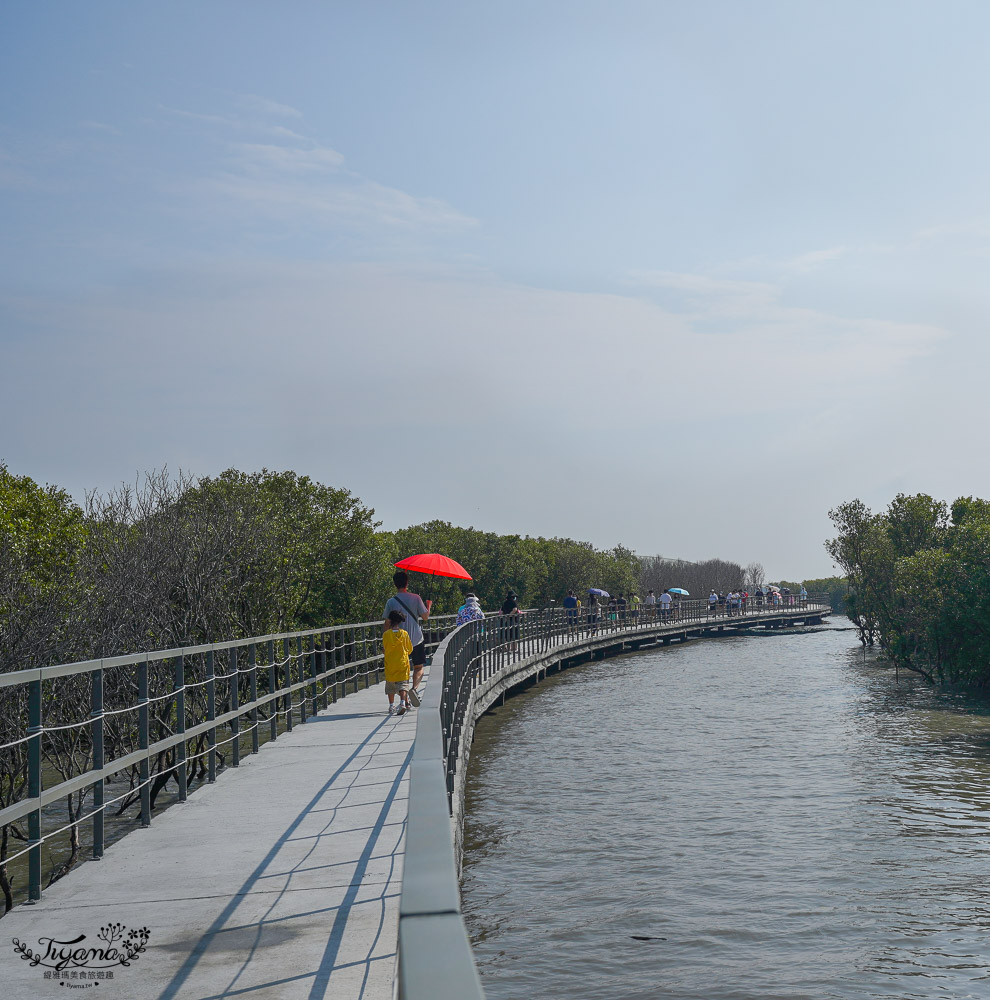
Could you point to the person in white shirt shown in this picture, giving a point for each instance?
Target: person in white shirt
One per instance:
(712, 603)
(651, 604)
(665, 602)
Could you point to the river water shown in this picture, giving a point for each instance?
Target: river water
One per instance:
(778, 816)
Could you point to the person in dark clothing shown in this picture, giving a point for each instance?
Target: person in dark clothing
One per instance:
(593, 613)
(570, 606)
(510, 614)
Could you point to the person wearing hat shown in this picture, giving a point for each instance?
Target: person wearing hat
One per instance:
(510, 609)
(469, 611)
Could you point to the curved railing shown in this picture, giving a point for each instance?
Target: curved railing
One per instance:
(85, 737)
(79, 738)
(435, 959)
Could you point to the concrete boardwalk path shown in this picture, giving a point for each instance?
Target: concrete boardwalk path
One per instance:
(279, 882)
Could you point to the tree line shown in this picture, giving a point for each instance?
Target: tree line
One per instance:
(184, 561)
(176, 561)
(919, 579)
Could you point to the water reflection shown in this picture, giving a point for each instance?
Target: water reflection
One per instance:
(734, 819)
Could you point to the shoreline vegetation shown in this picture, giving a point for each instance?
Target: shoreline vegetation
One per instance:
(183, 561)
(919, 584)
(178, 561)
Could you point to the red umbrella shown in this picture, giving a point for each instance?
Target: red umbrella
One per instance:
(434, 564)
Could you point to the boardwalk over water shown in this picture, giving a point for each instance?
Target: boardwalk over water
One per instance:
(282, 879)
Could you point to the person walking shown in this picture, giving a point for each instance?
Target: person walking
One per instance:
(665, 602)
(713, 604)
(593, 614)
(469, 611)
(571, 605)
(651, 605)
(397, 648)
(413, 608)
(510, 610)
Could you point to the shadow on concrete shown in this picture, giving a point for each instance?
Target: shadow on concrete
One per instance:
(261, 934)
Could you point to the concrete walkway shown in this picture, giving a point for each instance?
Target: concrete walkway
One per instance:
(280, 881)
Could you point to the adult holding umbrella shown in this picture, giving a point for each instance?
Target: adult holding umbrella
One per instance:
(678, 593)
(594, 593)
(413, 607)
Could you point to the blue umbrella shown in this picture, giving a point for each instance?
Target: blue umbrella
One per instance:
(677, 590)
(597, 592)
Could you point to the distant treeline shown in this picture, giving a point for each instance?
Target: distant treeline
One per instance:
(181, 561)
(919, 578)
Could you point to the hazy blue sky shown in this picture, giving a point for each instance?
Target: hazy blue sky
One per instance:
(681, 275)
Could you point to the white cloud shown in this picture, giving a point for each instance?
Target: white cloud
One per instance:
(815, 258)
(793, 352)
(225, 120)
(238, 123)
(289, 159)
(707, 293)
(527, 408)
(99, 126)
(301, 182)
(264, 106)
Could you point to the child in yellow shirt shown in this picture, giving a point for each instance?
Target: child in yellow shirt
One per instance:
(397, 647)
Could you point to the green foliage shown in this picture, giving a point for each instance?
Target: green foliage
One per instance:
(538, 570)
(41, 536)
(309, 556)
(172, 562)
(835, 586)
(920, 583)
(41, 528)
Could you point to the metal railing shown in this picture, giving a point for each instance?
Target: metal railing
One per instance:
(485, 648)
(435, 959)
(144, 720)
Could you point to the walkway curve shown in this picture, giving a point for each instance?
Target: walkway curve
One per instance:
(471, 672)
(282, 881)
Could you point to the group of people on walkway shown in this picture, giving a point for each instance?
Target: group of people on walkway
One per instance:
(405, 645)
(735, 602)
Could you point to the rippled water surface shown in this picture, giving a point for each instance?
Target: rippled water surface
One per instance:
(780, 818)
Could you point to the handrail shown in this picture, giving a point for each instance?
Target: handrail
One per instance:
(15, 677)
(172, 694)
(435, 957)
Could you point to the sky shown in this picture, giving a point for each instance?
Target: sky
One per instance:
(683, 276)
